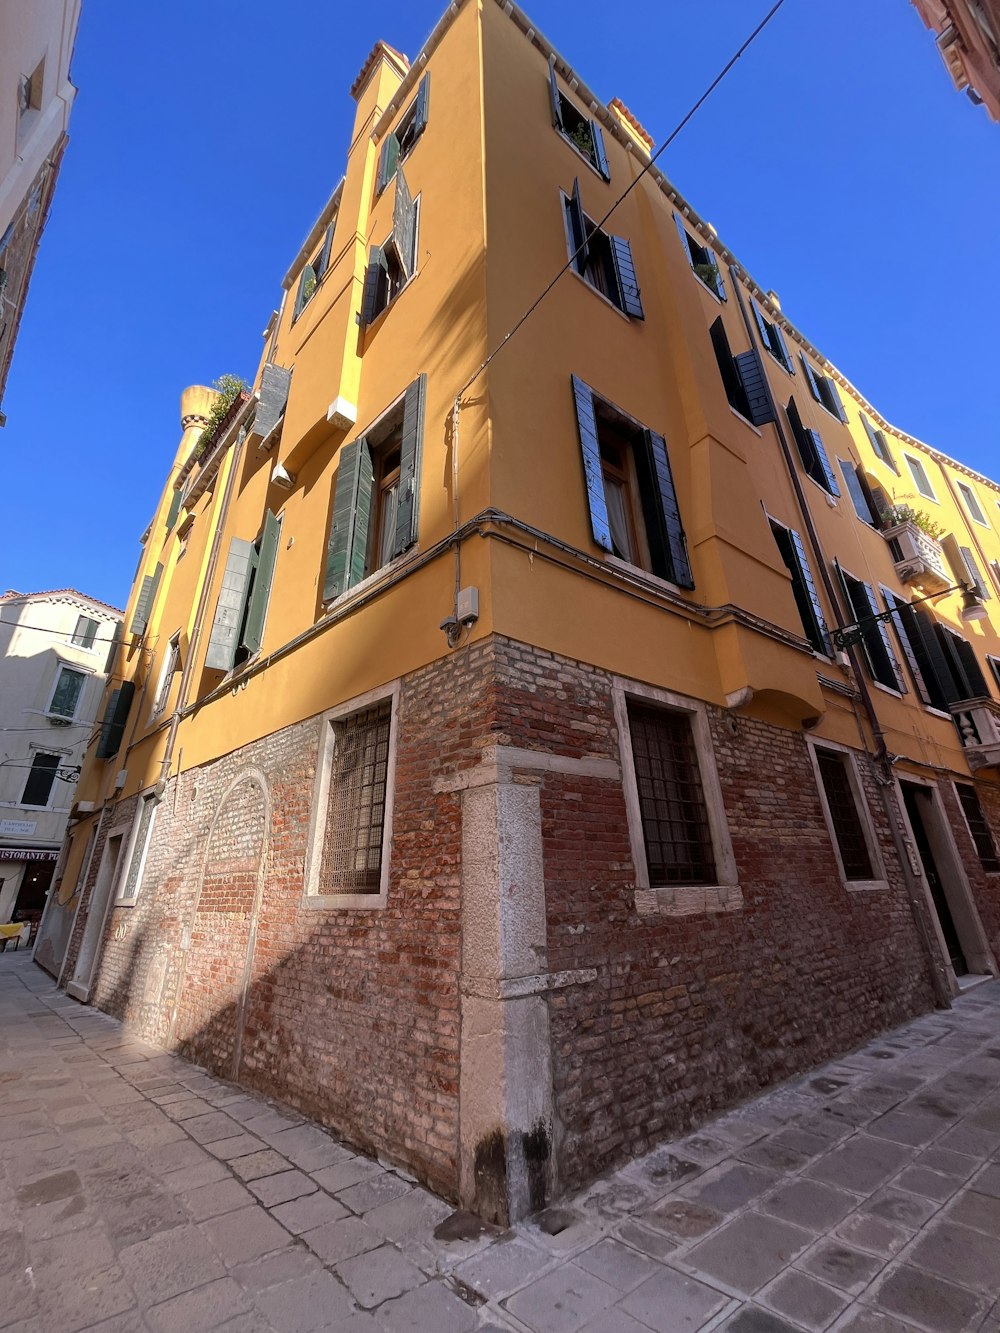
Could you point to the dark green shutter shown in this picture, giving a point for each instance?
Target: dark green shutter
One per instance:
(934, 664)
(965, 669)
(856, 609)
(785, 358)
(976, 574)
(376, 286)
(751, 372)
(731, 380)
(810, 378)
(111, 661)
(323, 262)
(423, 106)
(175, 504)
(578, 227)
(822, 640)
(600, 156)
(816, 440)
(410, 450)
(836, 403)
(224, 639)
(306, 287)
(664, 530)
(590, 447)
(347, 545)
(908, 636)
(557, 116)
(387, 160)
(880, 629)
(253, 633)
(682, 232)
(762, 325)
(144, 605)
(113, 722)
(274, 386)
(628, 285)
(404, 224)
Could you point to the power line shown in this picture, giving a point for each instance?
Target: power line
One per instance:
(44, 629)
(666, 144)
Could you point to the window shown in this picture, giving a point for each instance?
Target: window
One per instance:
(972, 504)
(811, 451)
(823, 389)
(846, 815)
(398, 144)
(630, 489)
(869, 500)
(175, 504)
(275, 382)
(349, 860)
(170, 665)
(312, 274)
(920, 477)
(585, 135)
(128, 888)
(38, 787)
(392, 264)
(113, 722)
(982, 836)
(773, 339)
(675, 827)
(879, 443)
(803, 588)
(994, 664)
(968, 681)
(944, 666)
(85, 632)
(375, 507)
(702, 263)
(602, 260)
(145, 600)
(964, 568)
(742, 378)
(238, 628)
(875, 643)
(66, 695)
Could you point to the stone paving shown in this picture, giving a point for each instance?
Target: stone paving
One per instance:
(139, 1193)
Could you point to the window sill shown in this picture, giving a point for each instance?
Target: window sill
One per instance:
(366, 584)
(719, 300)
(746, 421)
(689, 900)
(865, 885)
(125, 902)
(653, 580)
(887, 689)
(600, 295)
(582, 156)
(831, 499)
(367, 328)
(343, 902)
(789, 370)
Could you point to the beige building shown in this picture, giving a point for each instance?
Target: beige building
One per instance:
(968, 37)
(36, 96)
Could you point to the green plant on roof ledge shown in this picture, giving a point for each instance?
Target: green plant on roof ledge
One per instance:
(897, 514)
(229, 388)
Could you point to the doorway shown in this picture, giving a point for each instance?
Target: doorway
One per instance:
(83, 973)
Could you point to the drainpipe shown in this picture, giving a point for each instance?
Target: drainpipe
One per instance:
(882, 758)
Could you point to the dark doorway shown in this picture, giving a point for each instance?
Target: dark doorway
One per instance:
(919, 805)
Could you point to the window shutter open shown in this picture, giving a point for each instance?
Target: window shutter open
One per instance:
(323, 263)
(965, 669)
(113, 722)
(175, 504)
(346, 548)
(224, 639)
(423, 106)
(664, 530)
(761, 325)
(590, 447)
(376, 281)
(882, 629)
(908, 636)
(751, 372)
(856, 609)
(557, 116)
(810, 378)
(578, 228)
(685, 239)
(387, 160)
(815, 606)
(628, 286)
(816, 440)
(410, 450)
(976, 575)
(117, 635)
(254, 632)
(404, 224)
(306, 287)
(858, 491)
(934, 665)
(600, 156)
(731, 380)
(147, 596)
(274, 386)
(836, 403)
(779, 338)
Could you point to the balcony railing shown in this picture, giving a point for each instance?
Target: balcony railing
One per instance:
(918, 558)
(978, 725)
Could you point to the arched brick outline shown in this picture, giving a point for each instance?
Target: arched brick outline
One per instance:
(208, 1016)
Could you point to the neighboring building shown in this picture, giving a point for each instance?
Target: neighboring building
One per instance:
(481, 775)
(53, 651)
(36, 97)
(968, 37)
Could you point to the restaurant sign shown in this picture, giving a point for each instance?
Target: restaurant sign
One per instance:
(27, 854)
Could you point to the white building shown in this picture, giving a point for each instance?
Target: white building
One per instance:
(36, 96)
(54, 648)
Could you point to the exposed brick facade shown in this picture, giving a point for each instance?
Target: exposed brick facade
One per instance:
(354, 1015)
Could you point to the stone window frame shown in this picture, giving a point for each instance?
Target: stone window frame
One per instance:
(864, 815)
(311, 897)
(131, 849)
(676, 899)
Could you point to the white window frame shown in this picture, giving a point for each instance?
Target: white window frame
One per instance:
(94, 645)
(120, 900)
(917, 469)
(167, 673)
(34, 751)
(676, 899)
(864, 815)
(312, 897)
(76, 670)
(972, 504)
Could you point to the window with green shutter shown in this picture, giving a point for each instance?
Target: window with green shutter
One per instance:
(114, 719)
(585, 135)
(312, 274)
(702, 261)
(144, 603)
(742, 378)
(38, 786)
(814, 457)
(393, 263)
(876, 645)
(400, 142)
(807, 601)
(85, 632)
(238, 627)
(823, 389)
(602, 260)
(773, 339)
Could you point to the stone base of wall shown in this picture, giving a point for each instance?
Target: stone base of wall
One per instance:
(637, 1024)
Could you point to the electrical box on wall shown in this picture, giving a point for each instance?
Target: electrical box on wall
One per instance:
(467, 606)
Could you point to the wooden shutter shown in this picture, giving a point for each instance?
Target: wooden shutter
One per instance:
(664, 530)
(935, 666)
(423, 106)
(274, 386)
(810, 378)
(628, 285)
(578, 228)
(751, 372)
(175, 504)
(113, 722)
(404, 224)
(387, 160)
(410, 450)
(557, 116)
(816, 440)
(805, 574)
(966, 672)
(976, 574)
(882, 629)
(586, 423)
(224, 639)
(376, 285)
(306, 287)
(111, 661)
(858, 493)
(600, 156)
(907, 634)
(254, 631)
(835, 401)
(347, 545)
(762, 325)
(731, 379)
(144, 605)
(779, 338)
(685, 239)
(856, 610)
(324, 258)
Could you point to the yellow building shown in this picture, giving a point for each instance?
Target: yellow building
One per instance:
(496, 768)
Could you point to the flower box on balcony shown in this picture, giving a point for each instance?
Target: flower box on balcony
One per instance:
(918, 558)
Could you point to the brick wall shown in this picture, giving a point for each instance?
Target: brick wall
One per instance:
(985, 887)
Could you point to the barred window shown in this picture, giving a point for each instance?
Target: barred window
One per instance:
(129, 888)
(982, 837)
(675, 824)
(844, 817)
(355, 820)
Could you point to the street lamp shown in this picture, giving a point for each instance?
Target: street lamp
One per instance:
(972, 609)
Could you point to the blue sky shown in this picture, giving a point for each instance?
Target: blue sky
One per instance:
(836, 160)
